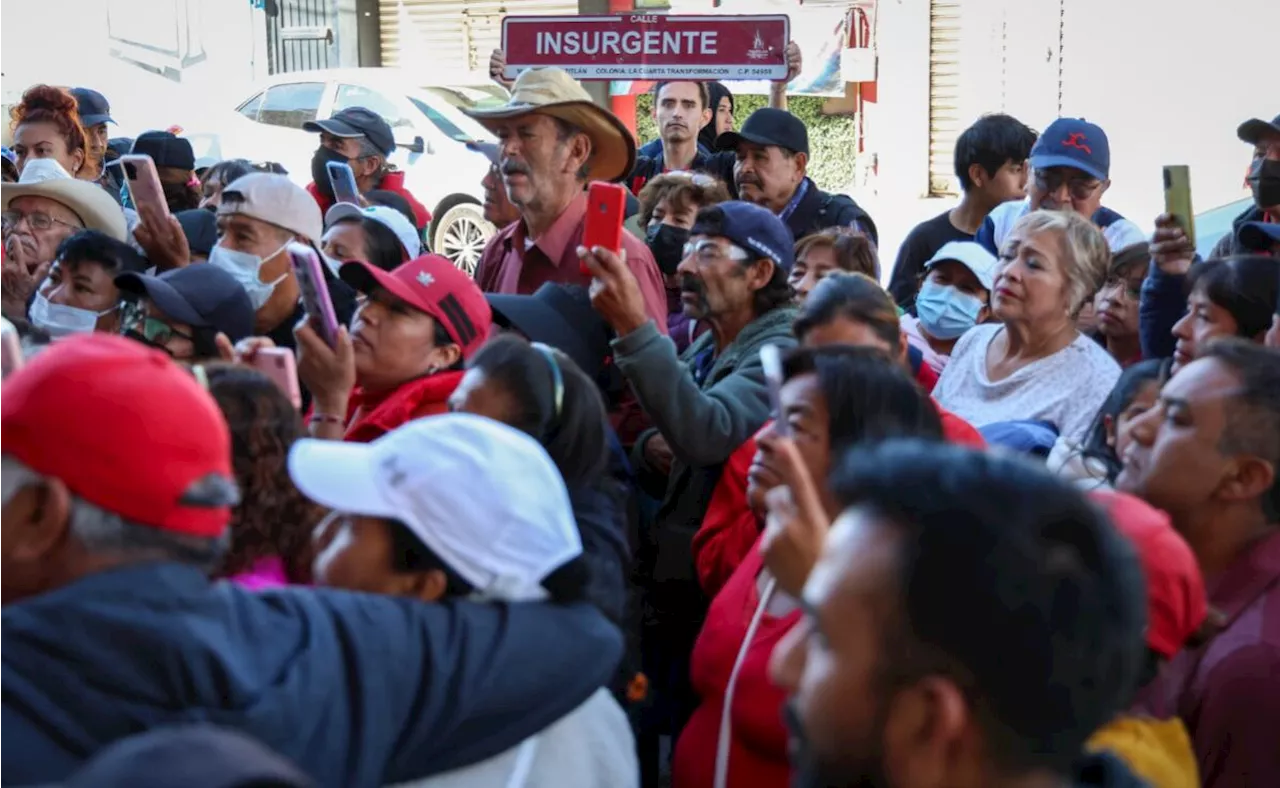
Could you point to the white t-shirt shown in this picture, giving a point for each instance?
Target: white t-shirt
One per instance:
(590, 747)
(1066, 389)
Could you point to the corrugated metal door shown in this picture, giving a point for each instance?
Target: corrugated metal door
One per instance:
(944, 94)
(452, 36)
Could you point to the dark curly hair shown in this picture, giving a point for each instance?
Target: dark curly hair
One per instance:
(273, 517)
(49, 104)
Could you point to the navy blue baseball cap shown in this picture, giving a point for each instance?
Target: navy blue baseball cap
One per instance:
(92, 107)
(1255, 129)
(1258, 236)
(356, 122)
(751, 227)
(769, 126)
(200, 295)
(166, 149)
(1073, 142)
(201, 229)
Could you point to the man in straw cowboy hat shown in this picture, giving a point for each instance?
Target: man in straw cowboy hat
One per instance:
(552, 140)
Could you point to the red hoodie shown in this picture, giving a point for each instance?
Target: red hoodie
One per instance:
(393, 182)
(370, 416)
(727, 553)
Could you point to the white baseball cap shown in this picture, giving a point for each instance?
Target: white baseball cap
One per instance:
(485, 498)
(390, 218)
(971, 255)
(273, 199)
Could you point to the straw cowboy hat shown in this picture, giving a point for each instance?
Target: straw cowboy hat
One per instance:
(551, 91)
(46, 178)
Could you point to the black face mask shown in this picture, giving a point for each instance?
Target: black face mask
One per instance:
(667, 244)
(1264, 180)
(320, 173)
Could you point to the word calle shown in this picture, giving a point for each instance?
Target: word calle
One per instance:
(631, 42)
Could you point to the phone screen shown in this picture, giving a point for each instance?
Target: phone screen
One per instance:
(771, 360)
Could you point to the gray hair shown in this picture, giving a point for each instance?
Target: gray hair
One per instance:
(101, 531)
(368, 151)
(1085, 253)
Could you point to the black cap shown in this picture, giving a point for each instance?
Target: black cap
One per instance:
(195, 756)
(560, 316)
(1254, 129)
(166, 149)
(357, 122)
(769, 126)
(120, 145)
(201, 228)
(200, 295)
(92, 107)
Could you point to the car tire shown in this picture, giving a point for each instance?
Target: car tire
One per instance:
(461, 234)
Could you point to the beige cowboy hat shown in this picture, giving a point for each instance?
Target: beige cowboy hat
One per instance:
(551, 91)
(46, 178)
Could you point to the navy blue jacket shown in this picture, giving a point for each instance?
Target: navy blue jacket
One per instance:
(1163, 302)
(357, 689)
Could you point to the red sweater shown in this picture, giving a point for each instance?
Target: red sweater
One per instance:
(393, 182)
(370, 416)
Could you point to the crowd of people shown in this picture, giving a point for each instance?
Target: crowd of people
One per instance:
(1012, 520)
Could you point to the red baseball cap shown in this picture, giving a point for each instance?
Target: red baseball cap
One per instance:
(1176, 601)
(126, 429)
(434, 285)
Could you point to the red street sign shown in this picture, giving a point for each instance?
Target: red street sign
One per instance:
(649, 46)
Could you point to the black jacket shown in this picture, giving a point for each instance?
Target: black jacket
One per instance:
(819, 210)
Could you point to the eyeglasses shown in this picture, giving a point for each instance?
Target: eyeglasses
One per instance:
(35, 219)
(152, 330)
(709, 252)
(1079, 188)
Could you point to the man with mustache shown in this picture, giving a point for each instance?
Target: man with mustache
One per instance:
(771, 156)
(498, 210)
(959, 650)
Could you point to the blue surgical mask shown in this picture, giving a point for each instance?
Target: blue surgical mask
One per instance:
(944, 311)
(60, 320)
(245, 268)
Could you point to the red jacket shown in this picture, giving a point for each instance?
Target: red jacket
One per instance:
(393, 182)
(730, 528)
(370, 416)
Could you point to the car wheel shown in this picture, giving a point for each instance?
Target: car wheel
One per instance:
(461, 235)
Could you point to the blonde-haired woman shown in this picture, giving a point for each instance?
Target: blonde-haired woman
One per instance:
(1034, 365)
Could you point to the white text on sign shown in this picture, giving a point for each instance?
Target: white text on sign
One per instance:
(632, 42)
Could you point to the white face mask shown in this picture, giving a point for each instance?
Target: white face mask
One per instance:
(60, 320)
(245, 267)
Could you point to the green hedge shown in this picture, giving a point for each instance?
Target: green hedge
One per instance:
(832, 138)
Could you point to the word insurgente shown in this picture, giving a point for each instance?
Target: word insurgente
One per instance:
(631, 42)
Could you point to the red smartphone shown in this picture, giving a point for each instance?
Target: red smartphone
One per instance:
(12, 347)
(606, 211)
(278, 364)
(144, 184)
(315, 293)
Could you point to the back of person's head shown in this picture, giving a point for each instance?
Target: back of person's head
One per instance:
(1253, 417)
(383, 247)
(681, 191)
(227, 171)
(1100, 440)
(549, 398)
(855, 297)
(1009, 590)
(272, 518)
(854, 252)
(991, 142)
(392, 200)
(869, 395)
(92, 246)
(1246, 286)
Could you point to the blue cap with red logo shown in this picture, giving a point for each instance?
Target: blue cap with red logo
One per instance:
(1073, 142)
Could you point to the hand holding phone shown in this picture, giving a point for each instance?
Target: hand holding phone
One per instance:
(278, 364)
(771, 361)
(143, 180)
(606, 211)
(315, 293)
(343, 181)
(1177, 198)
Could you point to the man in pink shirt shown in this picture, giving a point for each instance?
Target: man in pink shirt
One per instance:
(552, 141)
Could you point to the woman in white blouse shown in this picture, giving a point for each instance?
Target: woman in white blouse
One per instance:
(1034, 365)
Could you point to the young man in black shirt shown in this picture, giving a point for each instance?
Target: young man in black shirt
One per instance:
(991, 165)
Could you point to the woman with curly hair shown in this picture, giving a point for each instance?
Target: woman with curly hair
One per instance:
(46, 125)
(271, 527)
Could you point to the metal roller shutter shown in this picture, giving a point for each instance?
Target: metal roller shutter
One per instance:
(944, 94)
(452, 36)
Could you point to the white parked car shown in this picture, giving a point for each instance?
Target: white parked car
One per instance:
(430, 132)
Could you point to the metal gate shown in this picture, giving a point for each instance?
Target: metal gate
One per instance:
(300, 35)
(944, 94)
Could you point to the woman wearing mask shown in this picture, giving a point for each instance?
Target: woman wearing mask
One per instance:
(271, 526)
(954, 296)
(1231, 297)
(1116, 304)
(668, 205)
(831, 250)
(833, 399)
(1096, 463)
(46, 125)
(376, 234)
(80, 294)
(411, 334)
(1034, 365)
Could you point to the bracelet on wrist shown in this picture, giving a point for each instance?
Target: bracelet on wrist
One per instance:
(327, 418)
